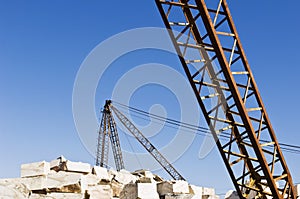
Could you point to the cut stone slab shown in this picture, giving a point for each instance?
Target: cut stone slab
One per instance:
(35, 183)
(196, 191)
(57, 196)
(66, 182)
(77, 167)
(10, 189)
(173, 187)
(35, 169)
(100, 191)
(101, 172)
(139, 191)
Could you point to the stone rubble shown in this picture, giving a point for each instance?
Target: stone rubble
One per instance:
(62, 178)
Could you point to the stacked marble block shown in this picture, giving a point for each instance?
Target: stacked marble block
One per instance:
(150, 186)
(62, 178)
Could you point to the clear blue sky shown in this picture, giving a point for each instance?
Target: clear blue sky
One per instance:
(43, 43)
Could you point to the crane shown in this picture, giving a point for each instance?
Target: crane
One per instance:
(211, 53)
(108, 131)
(108, 124)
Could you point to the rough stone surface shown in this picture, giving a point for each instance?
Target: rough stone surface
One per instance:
(12, 189)
(101, 173)
(112, 173)
(125, 177)
(180, 196)
(116, 188)
(146, 180)
(139, 191)
(66, 182)
(92, 180)
(35, 169)
(55, 165)
(35, 183)
(196, 191)
(146, 176)
(208, 191)
(62, 178)
(157, 178)
(173, 187)
(100, 191)
(57, 196)
(77, 167)
(144, 173)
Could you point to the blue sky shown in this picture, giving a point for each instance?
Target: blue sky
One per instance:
(43, 44)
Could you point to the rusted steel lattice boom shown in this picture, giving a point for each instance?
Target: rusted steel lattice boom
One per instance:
(213, 58)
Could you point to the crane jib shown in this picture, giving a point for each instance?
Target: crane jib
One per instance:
(212, 56)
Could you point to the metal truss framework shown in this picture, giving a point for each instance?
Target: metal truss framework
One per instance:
(147, 145)
(213, 58)
(108, 133)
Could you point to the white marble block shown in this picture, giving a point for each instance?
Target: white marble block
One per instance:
(139, 191)
(35, 169)
(196, 191)
(173, 187)
(208, 191)
(77, 167)
(178, 196)
(125, 177)
(100, 191)
(10, 188)
(66, 182)
(57, 196)
(101, 172)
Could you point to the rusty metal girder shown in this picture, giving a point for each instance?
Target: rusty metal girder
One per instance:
(211, 53)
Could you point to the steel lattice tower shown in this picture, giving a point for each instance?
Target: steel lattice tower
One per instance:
(108, 133)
